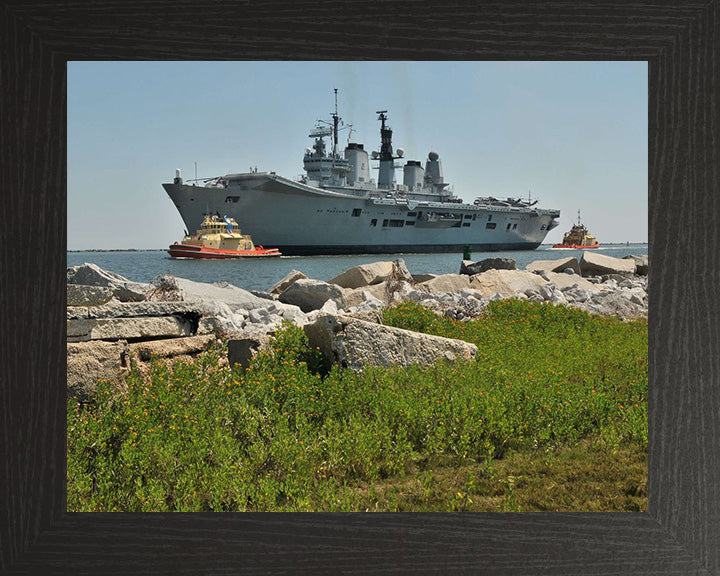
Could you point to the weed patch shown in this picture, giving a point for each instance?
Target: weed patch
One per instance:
(282, 436)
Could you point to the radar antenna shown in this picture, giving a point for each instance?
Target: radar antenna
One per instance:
(333, 129)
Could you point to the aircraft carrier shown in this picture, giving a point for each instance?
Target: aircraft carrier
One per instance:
(336, 207)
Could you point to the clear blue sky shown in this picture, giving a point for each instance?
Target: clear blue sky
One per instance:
(574, 134)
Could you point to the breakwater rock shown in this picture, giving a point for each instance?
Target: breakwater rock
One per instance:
(355, 343)
(110, 317)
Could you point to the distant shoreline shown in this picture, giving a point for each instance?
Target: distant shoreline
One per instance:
(163, 249)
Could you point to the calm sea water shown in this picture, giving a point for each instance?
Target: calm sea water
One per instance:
(143, 266)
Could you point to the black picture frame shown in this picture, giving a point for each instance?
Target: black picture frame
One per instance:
(681, 532)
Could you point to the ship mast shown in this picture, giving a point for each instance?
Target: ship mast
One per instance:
(336, 120)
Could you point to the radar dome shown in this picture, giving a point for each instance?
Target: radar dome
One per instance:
(375, 154)
(307, 151)
(433, 156)
(400, 152)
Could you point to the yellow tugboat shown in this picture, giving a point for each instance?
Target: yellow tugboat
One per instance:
(219, 238)
(578, 238)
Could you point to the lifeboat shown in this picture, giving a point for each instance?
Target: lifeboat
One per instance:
(219, 237)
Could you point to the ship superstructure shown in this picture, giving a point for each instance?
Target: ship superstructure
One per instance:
(336, 207)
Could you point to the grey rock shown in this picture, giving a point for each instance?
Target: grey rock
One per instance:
(418, 295)
(89, 362)
(171, 348)
(123, 289)
(447, 283)
(330, 307)
(641, 263)
(258, 315)
(205, 293)
(127, 328)
(364, 275)
(559, 265)
(616, 277)
(355, 344)
(370, 303)
(241, 351)
(577, 294)
(563, 281)
(79, 295)
(569, 271)
(418, 278)
(596, 264)
(293, 314)
(547, 291)
(285, 283)
(210, 325)
(557, 297)
(263, 294)
(310, 295)
(115, 309)
(507, 283)
(401, 272)
(534, 295)
(471, 268)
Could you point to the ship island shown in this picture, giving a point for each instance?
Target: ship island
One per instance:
(336, 207)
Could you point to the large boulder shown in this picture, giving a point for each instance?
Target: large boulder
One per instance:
(471, 268)
(236, 298)
(554, 265)
(447, 283)
(114, 309)
(80, 295)
(506, 283)
(89, 362)
(355, 344)
(595, 264)
(364, 275)
(285, 283)
(171, 347)
(89, 274)
(82, 330)
(312, 294)
(641, 263)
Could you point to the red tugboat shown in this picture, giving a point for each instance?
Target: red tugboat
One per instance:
(219, 238)
(578, 238)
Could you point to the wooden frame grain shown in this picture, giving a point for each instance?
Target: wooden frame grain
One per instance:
(681, 532)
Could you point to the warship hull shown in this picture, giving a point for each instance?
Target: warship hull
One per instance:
(301, 219)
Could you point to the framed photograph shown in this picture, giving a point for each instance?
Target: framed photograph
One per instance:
(677, 535)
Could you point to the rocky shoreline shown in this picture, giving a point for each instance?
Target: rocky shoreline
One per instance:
(113, 323)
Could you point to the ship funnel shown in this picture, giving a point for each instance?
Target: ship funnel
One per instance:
(413, 174)
(357, 157)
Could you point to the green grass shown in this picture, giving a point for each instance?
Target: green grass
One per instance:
(549, 416)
